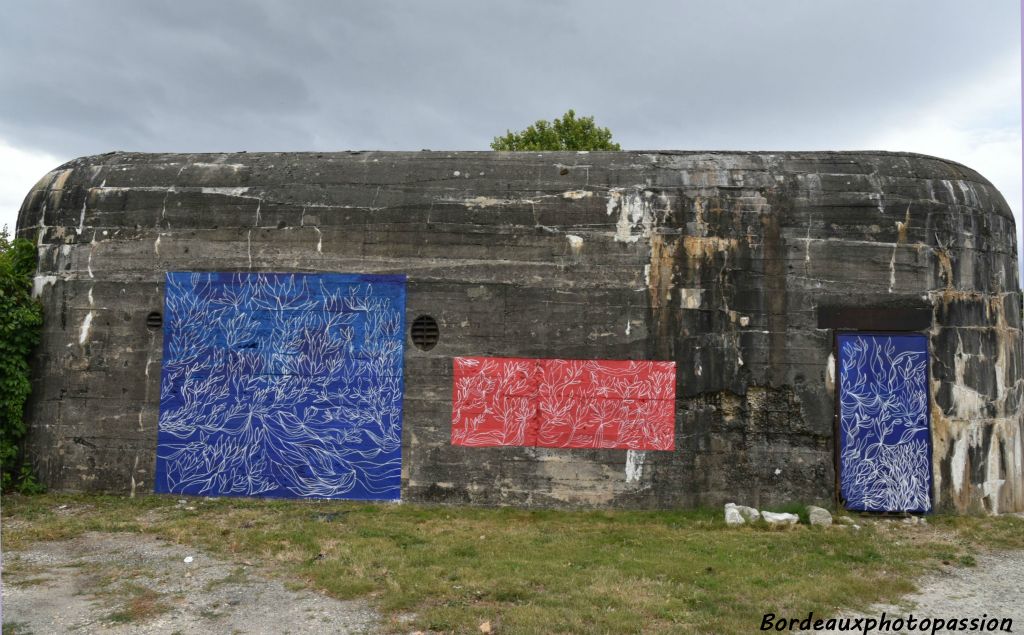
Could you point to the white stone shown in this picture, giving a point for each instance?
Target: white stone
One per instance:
(732, 515)
(749, 513)
(819, 516)
(780, 519)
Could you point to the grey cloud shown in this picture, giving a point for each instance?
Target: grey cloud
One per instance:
(81, 78)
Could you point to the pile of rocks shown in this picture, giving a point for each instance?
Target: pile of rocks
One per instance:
(740, 514)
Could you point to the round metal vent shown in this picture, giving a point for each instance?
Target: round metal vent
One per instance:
(425, 332)
(154, 320)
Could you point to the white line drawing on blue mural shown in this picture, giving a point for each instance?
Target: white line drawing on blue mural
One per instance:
(282, 385)
(885, 455)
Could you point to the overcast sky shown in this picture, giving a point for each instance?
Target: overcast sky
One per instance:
(933, 76)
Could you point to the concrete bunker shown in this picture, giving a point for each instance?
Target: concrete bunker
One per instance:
(742, 268)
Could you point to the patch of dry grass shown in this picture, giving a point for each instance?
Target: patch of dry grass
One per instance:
(27, 582)
(16, 628)
(137, 604)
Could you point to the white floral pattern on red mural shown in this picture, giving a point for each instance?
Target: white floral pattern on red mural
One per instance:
(559, 403)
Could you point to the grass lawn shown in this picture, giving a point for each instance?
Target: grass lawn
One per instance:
(539, 571)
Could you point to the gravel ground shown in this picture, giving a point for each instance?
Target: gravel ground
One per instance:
(130, 583)
(993, 587)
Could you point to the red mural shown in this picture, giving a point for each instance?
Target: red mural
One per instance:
(560, 403)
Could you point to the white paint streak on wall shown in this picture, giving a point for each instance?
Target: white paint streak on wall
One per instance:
(622, 228)
(240, 192)
(156, 245)
(92, 247)
(248, 246)
(483, 201)
(635, 213)
(613, 200)
(958, 464)
(968, 402)
(575, 243)
(90, 295)
(81, 218)
(635, 465)
(949, 188)
(233, 166)
(993, 484)
(40, 282)
(83, 334)
(807, 246)
(879, 196)
(1018, 455)
(575, 195)
(830, 374)
(967, 188)
(892, 268)
(136, 466)
(42, 224)
(319, 241)
(691, 298)
(163, 208)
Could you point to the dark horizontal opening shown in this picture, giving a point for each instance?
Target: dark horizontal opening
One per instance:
(868, 318)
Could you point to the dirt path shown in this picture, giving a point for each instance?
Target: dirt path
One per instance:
(993, 587)
(131, 583)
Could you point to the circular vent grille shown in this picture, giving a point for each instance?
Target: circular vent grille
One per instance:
(425, 332)
(154, 320)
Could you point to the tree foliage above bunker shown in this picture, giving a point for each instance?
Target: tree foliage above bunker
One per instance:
(567, 133)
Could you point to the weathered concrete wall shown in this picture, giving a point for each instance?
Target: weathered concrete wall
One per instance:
(724, 262)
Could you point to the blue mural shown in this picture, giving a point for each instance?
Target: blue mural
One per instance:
(282, 384)
(885, 442)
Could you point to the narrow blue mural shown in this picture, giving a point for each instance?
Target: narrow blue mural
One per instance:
(282, 384)
(885, 441)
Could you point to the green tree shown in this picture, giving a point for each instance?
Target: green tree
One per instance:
(567, 133)
(21, 317)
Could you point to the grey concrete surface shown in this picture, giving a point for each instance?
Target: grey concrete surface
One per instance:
(735, 265)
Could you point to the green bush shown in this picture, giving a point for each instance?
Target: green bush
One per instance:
(21, 317)
(567, 133)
